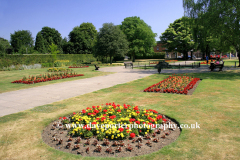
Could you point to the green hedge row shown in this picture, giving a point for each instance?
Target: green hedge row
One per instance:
(8, 60)
(155, 55)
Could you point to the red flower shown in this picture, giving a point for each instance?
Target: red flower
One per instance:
(125, 107)
(94, 122)
(132, 135)
(74, 113)
(138, 122)
(137, 112)
(135, 108)
(93, 107)
(164, 120)
(119, 110)
(83, 111)
(60, 117)
(96, 111)
(64, 118)
(107, 104)
(104, 115)
(104, 110)
(120, 129)
(132, 120)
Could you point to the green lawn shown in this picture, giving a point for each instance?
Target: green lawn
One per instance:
(214, 105)
(6, 77)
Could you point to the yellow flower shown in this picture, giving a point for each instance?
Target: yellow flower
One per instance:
(97, 131)
(145, 132)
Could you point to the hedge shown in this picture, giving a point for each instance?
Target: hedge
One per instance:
(155, 55)
(8, 60)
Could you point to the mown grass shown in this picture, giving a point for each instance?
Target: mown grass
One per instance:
(6, 77)
(214, 105)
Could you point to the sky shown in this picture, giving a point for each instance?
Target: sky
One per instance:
(64, 15)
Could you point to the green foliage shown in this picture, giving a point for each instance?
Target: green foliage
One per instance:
(178, 37)
(139, 35)
(221, 17)
(54, 51)
(46, 37)
(111, 42)
(4, 45)
(81, 39)
(40, 43)
(44, 59)
(155, 55)
(21, 39)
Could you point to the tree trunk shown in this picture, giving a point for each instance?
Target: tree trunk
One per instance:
(238, 58)
(133, 57)
(110, 59)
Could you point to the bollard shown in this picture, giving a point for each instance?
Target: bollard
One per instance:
(235, 64)
(132, 65)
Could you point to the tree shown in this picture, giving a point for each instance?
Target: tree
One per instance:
(83, 38)
(40, 43)
(54, 51)
(4, 45)
(178, 37)
(224, 18)
(49, 35)
(111, 41)
(139, 35)
(21, 39)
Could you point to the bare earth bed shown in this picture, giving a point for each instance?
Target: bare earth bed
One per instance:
(162, 138)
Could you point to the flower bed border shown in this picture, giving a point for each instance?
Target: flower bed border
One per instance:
(191, 86)
(55, 136)
(45, 80)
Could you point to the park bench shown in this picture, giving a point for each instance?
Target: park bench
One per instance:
(126, 64)
(96, 67)
(213, 66)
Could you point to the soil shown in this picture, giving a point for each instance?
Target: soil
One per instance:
(190, 92)
(52, 136)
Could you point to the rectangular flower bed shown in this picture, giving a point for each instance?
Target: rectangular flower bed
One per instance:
(46, 77)
(174, 84)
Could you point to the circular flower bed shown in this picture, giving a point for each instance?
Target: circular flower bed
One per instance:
(111, 130)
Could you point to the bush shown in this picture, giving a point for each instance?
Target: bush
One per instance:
(155, 55)
(44, 59)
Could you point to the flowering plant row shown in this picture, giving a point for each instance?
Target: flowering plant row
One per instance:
(118, 119)
(205, 62)
(59, 70)
(78, 66)
(174, 84)
(46, 77)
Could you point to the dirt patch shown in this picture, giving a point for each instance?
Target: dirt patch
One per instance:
(158, 140)
(190, 92)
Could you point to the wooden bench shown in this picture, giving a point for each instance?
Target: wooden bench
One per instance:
(213, 66)
(96, 67)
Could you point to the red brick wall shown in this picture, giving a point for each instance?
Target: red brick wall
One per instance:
(160, 48)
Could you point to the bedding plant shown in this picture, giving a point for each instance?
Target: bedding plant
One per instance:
(46, 77)
(116, 118)
(174, 84)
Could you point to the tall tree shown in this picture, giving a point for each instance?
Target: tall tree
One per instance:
(40, 43)
(111, 41)
(21, 38)
(49, 35)
(4, 45)
(223, 18)
(178, 37)
(139, 35)
(83, 38)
